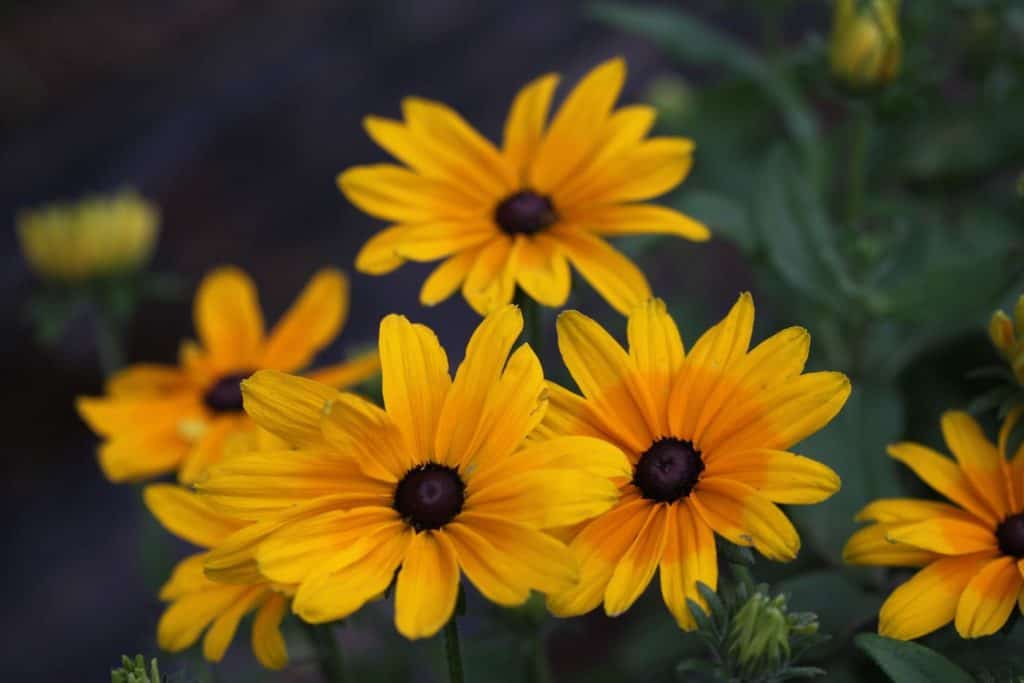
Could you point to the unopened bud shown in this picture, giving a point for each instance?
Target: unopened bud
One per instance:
(866, 48)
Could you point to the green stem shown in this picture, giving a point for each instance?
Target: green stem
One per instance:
(108, 344)
(541, 670)
(856, 170)
(328, 652)
(453, 651)
(533, 328)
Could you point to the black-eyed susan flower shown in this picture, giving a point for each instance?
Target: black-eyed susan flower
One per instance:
(94, 237)
(866, 48)
(439, 483)
(1008, 337)
(970, 551)
(199, 604)
(160, 418)
(517, 216)
(707, 434)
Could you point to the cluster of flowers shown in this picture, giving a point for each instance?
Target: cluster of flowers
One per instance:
(308, 497)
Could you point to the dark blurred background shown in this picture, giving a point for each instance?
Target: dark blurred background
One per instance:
(234, 117)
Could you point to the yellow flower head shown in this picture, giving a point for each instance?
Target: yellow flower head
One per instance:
(438, 483)
(512, 217)
(970, 553)
(160, 418)
(95, 237)
(866, 48)
(707, 435)
(196, 601)
(1008, 337)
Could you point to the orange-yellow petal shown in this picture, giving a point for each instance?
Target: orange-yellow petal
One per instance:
(616, 278)
(288, 406)
(689, 557)
(871, 546)
(979, 459)
(267, 642)
(228, 318)
(311, 323)
(779, 476)
(427, 585)
(186, 515)
(989, 598)
(946, 536)
(635, 569)
(944, 476)
(745, 517)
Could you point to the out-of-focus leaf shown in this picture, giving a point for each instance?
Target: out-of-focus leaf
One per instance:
(695, 42)
(725, 217)
(854, 446)
(906, 662)
(797, 237)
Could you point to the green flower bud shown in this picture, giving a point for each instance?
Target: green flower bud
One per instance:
(135, 671)
(671, 96)
(866, 47)
(759, 636)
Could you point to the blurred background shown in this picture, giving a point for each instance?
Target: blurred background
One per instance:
(234, 118)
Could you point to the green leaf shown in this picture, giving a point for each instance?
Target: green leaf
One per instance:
(725, 217)
(841, 603)
(906, 662)
(854, 446)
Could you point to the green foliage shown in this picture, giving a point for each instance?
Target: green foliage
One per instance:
(906, 662)
(136, 671)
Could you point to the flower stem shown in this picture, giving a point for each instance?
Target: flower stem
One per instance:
(453, 651)
(856, 169)
(328, 652)
(533, 328)
(108, 343)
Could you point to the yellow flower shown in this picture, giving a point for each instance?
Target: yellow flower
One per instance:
(94, 237)
(1008, 337)
(970, 552)
(707, 434)
(160, 418)
(511, 217)
(196, 601)
(866, 48)
(440, 482)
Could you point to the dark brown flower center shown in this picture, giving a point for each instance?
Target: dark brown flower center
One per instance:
(668, 470)
(225, 396)
(1010, 534)
(429, 496)
(525, 213)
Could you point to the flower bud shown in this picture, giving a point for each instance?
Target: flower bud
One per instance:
(866, 48)
(135, 671)
(759, 636)
(1007, 336)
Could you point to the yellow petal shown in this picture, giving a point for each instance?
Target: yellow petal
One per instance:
(636, 568)
(637, 219)
(542, 270)
(649, 169)
(871, 546)
(944, 476)
(147, 379)
(535, 559)
(779, 476)
(138, 416)
(689, 557)
(705, 380)
(657, 353)
(349, 373)
(427, 586)
(187, 516)
(490, 282)
(311, 323)
(450, 137)
(140, 457)
(379, 254)
(908, 510)
(567, 415)
(1001, 332)
(181, 623)
(524, 126)
(586, 454)
(988, 599)
(267, 642)
(745, 517)
(415, 381)
(576, 126)
(187, 577)
(604, 374)
(946, 536)
(435, 240)
(928, 601)
(609, 272)
(357, 428)
(219, 637)
(462, 428)
(210, 448)
(597, 549)
(396, 194)
(979, 459)
(228, 318)
(329, 596)
(252, 486)
(447, 277)
(287, 405)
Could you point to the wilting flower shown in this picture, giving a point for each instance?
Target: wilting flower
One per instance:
(439, 482)
(866, 48)
(1008, 337)
(160, 418)
(512, 217)
(94, 237)
(969, 552)
(199, 604)
(707, 435)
